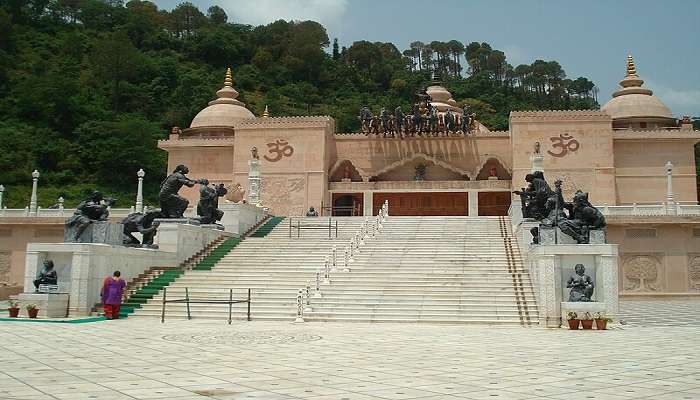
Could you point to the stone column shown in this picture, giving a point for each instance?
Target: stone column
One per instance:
(139, 191)
(537, 160)
(367, 201)
(670, 203)
(33, 201)
(254, 182)
(2, 191)
(473, 198)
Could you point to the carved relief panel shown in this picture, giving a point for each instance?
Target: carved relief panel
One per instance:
(284, 195)
(694, 272)
(642, 273)
(5, 266)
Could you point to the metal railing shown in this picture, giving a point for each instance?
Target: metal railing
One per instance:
(187, 300)
(353, 210)
(331, 226)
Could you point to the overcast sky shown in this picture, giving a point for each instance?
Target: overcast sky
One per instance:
(589, 38)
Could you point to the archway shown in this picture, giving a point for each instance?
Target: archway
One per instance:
(347, 204)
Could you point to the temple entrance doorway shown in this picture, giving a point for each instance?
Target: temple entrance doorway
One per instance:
(494, 203)
(423, 203)
(347, 204)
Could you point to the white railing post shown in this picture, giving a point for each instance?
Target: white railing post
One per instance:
(346, 267)
(139, 191)
(300, 308)
(308, 308)
(335, 263)
(327, 273)
(317, 292)
(61, 200)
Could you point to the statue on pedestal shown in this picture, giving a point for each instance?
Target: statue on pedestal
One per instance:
(94, 208)
(534, 197)
(464, 121)
(208, 206)
(581, 285)
(365, 119)
(399, 118)
(583, 217)
(47, 276)
(171, 204)
(143, 224)
(449, 122)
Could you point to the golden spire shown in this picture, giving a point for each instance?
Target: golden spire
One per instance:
(265, 113)
(228, 81)
(631, 68)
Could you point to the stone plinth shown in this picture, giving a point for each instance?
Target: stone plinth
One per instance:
(239, 217)
(50, 305)
(522, 233)
(551, 265)
(184, 240)
(97, 232)
(548, 236)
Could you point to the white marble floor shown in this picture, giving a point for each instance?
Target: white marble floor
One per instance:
(142, 359)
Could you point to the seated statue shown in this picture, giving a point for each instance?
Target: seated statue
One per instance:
(143, 224)
(583, 217)
(47, 276)
(208, 206)
(94, 208)
(534, 197)
(171, 204)
(581, 285)
(312, 212)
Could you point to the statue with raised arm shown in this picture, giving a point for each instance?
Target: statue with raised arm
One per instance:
(583, 217)
(399, 118)
(143, 224)
(47, 276)
(94, 208)
(464, 120)
(173, 205)
(581, 285)
(208, 206)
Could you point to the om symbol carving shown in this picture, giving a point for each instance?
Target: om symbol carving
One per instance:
(280, 149)
(565, 143)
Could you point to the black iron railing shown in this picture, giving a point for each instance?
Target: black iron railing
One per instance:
(187, 300)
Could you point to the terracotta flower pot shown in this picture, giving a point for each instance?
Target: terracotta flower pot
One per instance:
(33, 312)
(601, 324)
(573, 324)
(14, 312)
(587, 323)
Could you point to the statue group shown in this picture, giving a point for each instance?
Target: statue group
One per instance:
(95, 209)
(576, 218)
(424, 120)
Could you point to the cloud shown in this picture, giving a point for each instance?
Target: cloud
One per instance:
(680, 101)
(256, 12)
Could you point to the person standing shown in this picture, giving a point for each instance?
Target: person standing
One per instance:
(112, 291)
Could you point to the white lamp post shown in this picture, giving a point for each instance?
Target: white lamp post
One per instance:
(2, 190)
(139, 191)
(32, 201)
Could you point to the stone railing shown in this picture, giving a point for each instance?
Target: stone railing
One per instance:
(650, 209)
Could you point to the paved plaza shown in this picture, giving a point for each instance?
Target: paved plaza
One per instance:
(143, 359)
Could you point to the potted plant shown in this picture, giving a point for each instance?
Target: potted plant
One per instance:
(13, 309)
(32, 310)
(572, 319)
(587, 321)
(601, 321)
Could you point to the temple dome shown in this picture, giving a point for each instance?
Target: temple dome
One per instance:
(635, 102)
(441, 98)
(225, 110)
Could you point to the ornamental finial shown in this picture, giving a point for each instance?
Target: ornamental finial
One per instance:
(631, 68)
(228, 81)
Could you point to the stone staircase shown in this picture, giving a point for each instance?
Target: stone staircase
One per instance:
(417, 269)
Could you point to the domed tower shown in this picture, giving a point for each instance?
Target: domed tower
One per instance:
(635, 107)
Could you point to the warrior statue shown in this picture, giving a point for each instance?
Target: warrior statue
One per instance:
(143, 224)
(416, 121)
(94, 208)
(433, 119)
(171, 204)
(581, 285)
(534, 197)
(384, 121)
(583, 217)
(208, 206)
(449, 122)
(464, 121)
(365, 119)
(399, 121)
(47, 276)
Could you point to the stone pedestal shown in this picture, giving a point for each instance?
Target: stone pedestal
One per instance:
(254, 183)
(550, 267)
(548, 236)
(239, 217)
(97, 232)
(50, 305)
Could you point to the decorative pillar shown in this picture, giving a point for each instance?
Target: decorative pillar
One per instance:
(2, 190)
(537, 159)
(254, 182)
(32, 201)
(60, 204)
(670, 203)
(367, 199)
(139, 191)
(473, 199)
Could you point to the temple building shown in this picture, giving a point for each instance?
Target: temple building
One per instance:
(634, 158)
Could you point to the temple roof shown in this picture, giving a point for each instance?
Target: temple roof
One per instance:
(225, 110)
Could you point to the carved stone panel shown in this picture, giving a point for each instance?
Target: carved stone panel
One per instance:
(642, 273)
(284, 195)
(5, 266)
(694, 272)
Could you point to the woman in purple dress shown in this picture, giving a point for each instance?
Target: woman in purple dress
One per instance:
(112, 291)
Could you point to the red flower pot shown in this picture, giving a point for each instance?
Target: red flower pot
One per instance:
(14, 312)
(601, 324)
(587, 323)
(573, 324)
(33, 312)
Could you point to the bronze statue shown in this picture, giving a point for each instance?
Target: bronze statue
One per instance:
(581, 285)
(254, 153)
(47, 276)
(365, 118)
(534, 197)
(449, 122)
(208, 206)
(173, 205)
(94, 208)
(583, 217)
(399, 118)
(464, 122)
(143, 224)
